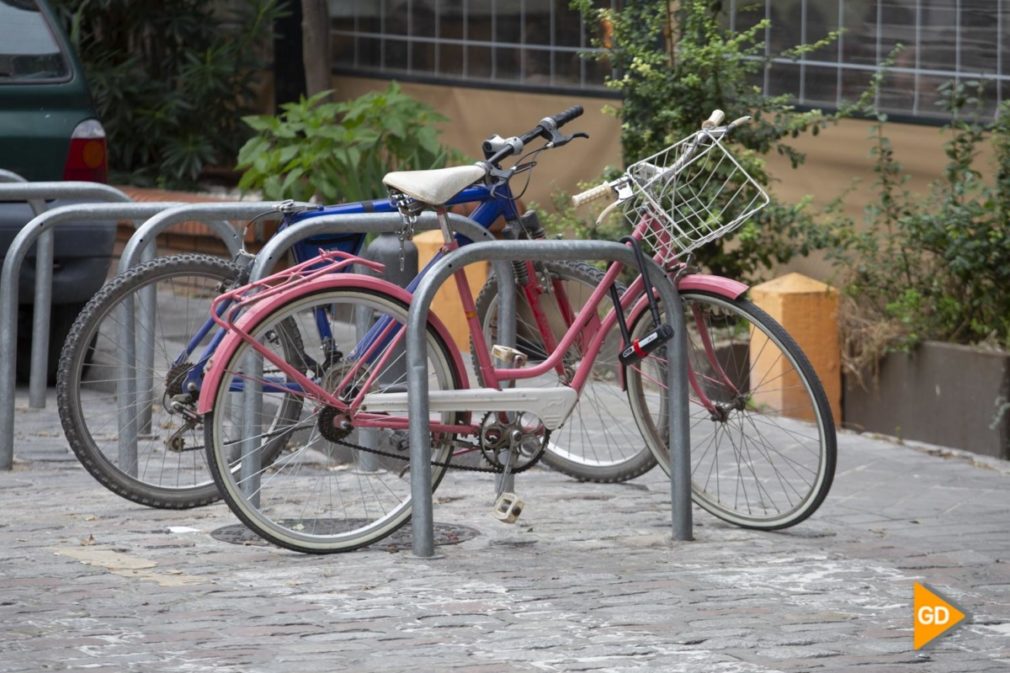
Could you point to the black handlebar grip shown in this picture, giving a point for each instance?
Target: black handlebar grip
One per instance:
(568, 115)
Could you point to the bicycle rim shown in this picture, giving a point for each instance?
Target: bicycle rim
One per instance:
(323, 493)
(762, 439)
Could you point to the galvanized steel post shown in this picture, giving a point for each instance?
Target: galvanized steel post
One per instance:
(9, 282)
(417, 372)
(42, 297)
(38, 206)
(140, 248)
(399, 259)
(214, 215)
(35, 194)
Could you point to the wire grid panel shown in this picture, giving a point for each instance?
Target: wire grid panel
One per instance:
(691, 193)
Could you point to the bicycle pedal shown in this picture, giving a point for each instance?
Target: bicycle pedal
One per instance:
(508, 507)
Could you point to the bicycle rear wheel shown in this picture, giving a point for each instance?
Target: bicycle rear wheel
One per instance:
(333, 486)
(762, 436)
(600, 441)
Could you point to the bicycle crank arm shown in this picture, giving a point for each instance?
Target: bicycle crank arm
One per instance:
(551, 405)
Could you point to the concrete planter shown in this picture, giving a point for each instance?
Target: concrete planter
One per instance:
(942, 394)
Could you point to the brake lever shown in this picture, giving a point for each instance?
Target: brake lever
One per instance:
(558, 139)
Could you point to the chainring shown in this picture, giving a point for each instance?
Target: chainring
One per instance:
(495, 437)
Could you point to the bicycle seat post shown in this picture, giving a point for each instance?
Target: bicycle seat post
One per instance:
(442, 214)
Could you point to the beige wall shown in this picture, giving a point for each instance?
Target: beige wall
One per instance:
(475, 114)
(836, 159)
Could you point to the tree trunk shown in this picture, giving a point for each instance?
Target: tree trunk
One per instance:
(289, 66)
(316, 45)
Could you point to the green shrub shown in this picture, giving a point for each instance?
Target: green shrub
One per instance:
(171, 80)
(670, 84)
(934, 266)
(340, 151)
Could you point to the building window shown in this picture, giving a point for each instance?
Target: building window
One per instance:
(527, 44)
(944, 40)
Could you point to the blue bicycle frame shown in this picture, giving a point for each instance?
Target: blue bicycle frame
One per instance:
(492, 206)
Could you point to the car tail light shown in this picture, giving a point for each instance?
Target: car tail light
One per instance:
(87, 159)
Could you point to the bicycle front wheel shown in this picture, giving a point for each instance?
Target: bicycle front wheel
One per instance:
(600, 441)
(164, 465)
(762, 436)
(334, 485)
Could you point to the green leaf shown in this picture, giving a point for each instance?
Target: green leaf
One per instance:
(287, 154)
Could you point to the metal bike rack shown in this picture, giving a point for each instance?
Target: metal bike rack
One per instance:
(378, 223)
(140, 248)
(10, 176)
(277, 246)
(9, 281)
(38, 206)
(35, 193)
(137, 247)
(417, 371)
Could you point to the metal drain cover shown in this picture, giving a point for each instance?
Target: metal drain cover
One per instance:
(445, 534)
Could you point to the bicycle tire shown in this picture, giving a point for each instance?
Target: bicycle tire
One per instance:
(600, 441)
(780, 454)
(167, 478)
(357, 504)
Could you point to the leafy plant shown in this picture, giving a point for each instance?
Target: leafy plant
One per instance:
(674, 69)
(340, 151)
(933, 267)
(171, 80)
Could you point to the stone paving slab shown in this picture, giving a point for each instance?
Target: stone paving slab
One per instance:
(588, 580)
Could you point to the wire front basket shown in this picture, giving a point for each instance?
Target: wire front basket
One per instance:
(689, 194)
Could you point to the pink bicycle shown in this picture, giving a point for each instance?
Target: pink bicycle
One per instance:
(763, 444)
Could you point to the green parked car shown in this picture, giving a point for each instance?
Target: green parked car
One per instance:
(49, 131)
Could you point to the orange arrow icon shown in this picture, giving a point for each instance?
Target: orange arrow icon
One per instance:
(932, 616)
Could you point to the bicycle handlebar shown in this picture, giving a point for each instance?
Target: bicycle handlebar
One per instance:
(568, 115)
(597, 192)
(547, 128)
(713, 120)
(711, 125)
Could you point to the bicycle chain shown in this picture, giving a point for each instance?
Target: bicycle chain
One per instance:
(447, 464)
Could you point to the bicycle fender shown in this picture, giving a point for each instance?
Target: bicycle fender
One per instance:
(231, 341)
(703, 282)
(695, 282)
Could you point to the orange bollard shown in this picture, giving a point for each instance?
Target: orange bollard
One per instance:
(447, 305)
(808, 310)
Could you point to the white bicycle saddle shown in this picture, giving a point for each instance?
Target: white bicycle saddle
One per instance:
(434, 187)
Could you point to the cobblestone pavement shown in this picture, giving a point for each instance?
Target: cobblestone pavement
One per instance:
(588, 580)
